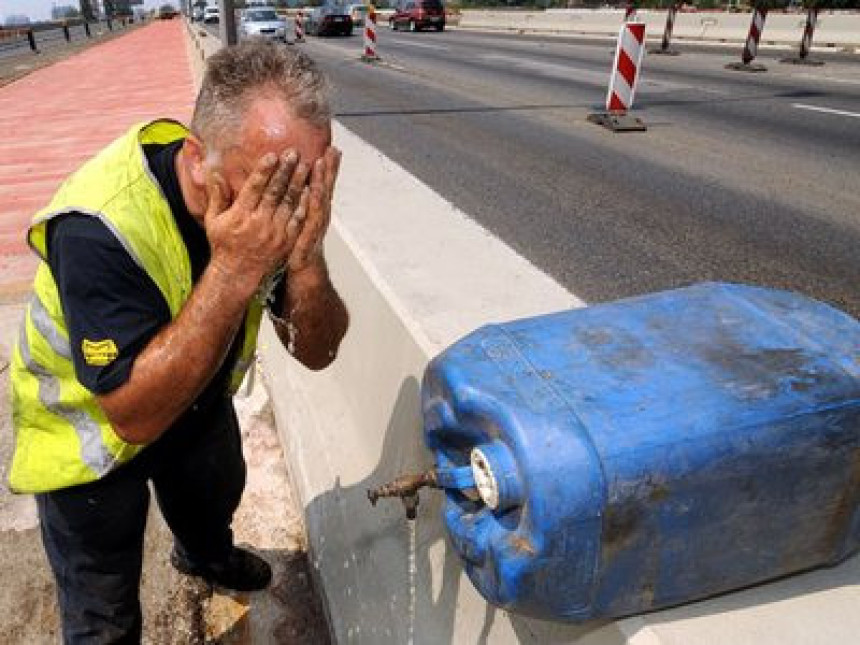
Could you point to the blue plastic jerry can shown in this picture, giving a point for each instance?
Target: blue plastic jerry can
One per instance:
(649, 452)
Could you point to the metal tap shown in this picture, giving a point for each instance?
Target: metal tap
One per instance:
(406, 487)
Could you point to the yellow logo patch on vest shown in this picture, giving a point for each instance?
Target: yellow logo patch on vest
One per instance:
(99, 352)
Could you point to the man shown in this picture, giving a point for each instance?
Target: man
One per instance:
(159, 256)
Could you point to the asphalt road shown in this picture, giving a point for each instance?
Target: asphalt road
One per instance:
(740, 177)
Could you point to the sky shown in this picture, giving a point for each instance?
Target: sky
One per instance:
(41, 9)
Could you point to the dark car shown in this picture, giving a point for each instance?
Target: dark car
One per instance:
(329, 20)
(167, 12)
(415, 15)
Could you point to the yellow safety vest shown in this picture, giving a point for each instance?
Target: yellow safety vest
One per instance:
(62, 436)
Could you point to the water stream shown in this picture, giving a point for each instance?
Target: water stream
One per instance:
(412, 567)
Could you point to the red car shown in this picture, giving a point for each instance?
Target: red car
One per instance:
(418, 14)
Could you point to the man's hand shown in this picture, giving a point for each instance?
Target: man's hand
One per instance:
(315, 208)
(257, 232)
(314, 319)
(249, 238)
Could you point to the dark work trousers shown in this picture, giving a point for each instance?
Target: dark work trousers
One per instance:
(93, 534)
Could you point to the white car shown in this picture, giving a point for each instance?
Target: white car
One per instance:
(211, 14)
(263, 22)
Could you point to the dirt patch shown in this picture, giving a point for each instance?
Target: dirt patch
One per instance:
(28, 601)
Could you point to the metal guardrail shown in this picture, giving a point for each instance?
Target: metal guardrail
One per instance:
(22, 39)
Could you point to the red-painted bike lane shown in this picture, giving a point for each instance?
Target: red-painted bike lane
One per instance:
(58, 116)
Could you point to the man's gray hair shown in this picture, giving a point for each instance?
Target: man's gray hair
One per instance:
(236, 75)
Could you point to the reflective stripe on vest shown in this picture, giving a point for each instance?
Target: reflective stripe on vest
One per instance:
(45, 326)
(93, 451)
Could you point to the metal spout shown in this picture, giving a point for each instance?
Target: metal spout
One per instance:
(405, 487)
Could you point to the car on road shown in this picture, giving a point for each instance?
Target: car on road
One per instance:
(263, 22)
(329, 20)
(167, 12)
(358, 13)
(211, 14)
(416, 15)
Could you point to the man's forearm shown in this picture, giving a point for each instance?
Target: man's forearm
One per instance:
(179, 361)
(314, 317)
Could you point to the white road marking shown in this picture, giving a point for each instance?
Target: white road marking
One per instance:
(816, 108)
(829, 79)
(420, 45)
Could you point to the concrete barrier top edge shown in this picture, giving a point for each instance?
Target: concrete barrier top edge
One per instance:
(447, 274)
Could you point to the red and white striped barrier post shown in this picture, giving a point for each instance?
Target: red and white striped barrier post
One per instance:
(751, 45)
(667, 33)
(802, 57)
(622, 82)
(625, 70)
(808, 32)
(754, 36)
(370, 54)
(300, 26)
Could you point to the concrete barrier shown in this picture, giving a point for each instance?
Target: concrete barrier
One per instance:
(200, 45)
(835, 29)
(417, 274)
